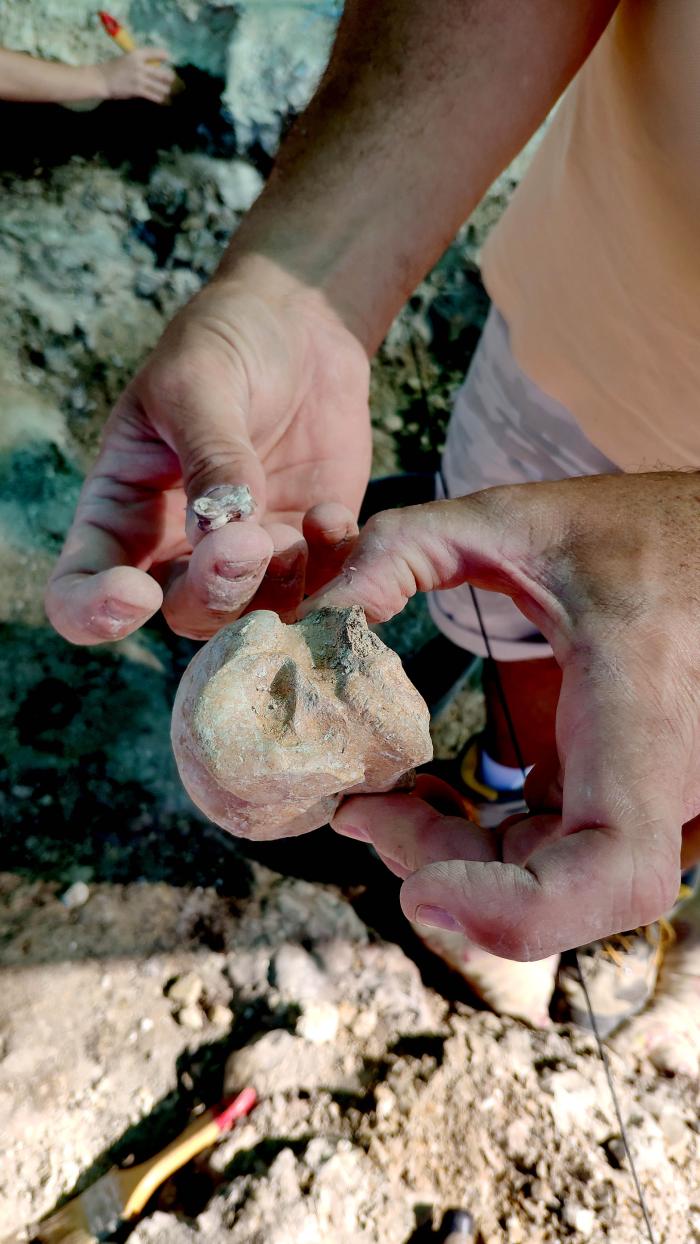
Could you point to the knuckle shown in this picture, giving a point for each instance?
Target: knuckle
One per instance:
(381, 529)
(172, 388)
(210, 460)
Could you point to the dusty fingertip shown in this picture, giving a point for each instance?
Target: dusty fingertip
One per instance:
(331, 523)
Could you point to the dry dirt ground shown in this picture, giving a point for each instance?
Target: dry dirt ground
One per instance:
(148, 962)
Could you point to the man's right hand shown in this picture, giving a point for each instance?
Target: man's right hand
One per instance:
(256, 382)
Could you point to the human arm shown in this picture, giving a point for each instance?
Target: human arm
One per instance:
(608, 568)
(27, 79)
(263, 378)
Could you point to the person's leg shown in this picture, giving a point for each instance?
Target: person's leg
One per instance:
(521, 700)
(505, 430)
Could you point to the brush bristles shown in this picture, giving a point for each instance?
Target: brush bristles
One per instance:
(68, 1226)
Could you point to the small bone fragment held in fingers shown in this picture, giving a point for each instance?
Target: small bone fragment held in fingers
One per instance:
(273, 724)
(225, 503)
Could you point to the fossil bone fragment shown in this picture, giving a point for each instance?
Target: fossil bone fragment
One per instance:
(225, 503)
(272, 724)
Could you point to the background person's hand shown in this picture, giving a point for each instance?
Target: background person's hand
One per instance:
(608, 568)
(142, 74)
(255, 382)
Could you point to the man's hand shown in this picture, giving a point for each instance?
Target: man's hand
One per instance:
(255, 382)
(263, 379)
(142, 74)
(608, 568)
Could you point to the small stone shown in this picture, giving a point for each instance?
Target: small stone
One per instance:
(280, 1062)
(220, 1016)
(297, 976)
(518, 1138)
(365, 1023)
(191, 1017)
(76, 895)
(318, 1023)
(146, 1024)
(615, 1151)
(580, 1219)
(675, 1132)
(385, 1101)
(186, 989)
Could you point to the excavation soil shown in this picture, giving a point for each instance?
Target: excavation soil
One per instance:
(142, 950)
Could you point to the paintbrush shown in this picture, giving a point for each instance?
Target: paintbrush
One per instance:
(127, 43)
(122, 1194)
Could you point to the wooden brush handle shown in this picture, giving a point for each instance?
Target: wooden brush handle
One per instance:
(139, 1183)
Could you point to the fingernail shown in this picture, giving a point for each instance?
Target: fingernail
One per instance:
(338, 535)
(119, 611)
(352, 831)
(237, 570)
(437, 918)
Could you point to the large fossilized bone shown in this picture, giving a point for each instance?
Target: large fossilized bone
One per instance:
(272, 723)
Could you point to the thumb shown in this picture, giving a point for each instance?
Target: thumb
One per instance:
(607, 857)
(201, 413)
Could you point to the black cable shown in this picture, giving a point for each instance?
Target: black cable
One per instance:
(594, 1025)
(611, 1085)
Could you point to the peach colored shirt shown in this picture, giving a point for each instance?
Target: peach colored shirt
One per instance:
(596, 263)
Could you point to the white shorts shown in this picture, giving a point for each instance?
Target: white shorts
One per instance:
(504, 430)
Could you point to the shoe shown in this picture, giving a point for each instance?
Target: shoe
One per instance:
(520, 990)
(668, 1031)
(620, 974)
(488, 806)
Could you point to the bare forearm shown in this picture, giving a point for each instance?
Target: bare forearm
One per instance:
(28, 80)
(422, 105)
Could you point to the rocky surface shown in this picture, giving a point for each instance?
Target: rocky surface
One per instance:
(145, 956)
(381, 1102)
(273, 723)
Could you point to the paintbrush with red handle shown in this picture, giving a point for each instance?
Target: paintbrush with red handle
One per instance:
(122, 1194)
(127, 43)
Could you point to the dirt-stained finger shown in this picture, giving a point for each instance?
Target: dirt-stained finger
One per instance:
(221, 578)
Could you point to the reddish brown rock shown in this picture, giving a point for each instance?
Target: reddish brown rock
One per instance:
(273, 723)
